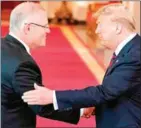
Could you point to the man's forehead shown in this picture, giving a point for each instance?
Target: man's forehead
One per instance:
(39, 17)
(103, 18)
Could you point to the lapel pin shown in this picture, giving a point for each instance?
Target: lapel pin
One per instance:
(117, 61)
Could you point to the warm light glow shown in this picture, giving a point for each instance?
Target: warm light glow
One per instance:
(82, 3)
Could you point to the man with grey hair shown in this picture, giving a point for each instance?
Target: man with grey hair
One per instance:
(118, 98)
(28, 29)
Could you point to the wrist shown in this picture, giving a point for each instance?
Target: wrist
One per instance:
(51, 94)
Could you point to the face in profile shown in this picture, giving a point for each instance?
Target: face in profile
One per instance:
(106, 30)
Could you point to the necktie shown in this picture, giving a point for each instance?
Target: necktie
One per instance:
(112, 59)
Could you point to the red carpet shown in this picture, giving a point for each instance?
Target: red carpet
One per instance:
(63, 69)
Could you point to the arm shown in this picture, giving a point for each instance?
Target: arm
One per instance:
(124, 77)
(23, 80)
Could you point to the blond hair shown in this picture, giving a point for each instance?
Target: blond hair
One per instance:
(21, 12)
(119, 13)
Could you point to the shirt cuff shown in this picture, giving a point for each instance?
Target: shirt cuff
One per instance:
(81, 112)
(55, 105)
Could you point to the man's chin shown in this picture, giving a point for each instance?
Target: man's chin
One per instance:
(103, 46)
(43, 44)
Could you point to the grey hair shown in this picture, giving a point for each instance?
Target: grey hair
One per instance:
(21, 13)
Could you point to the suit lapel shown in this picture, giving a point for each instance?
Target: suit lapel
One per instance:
(122, 53)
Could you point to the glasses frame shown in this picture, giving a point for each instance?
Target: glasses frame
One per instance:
(43, 26)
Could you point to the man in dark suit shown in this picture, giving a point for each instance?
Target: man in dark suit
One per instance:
(28, 28)
(118, 98)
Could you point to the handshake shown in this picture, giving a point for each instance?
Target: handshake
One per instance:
(88, 112)
(43, 96)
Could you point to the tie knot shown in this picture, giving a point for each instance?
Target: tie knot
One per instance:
(112, 59)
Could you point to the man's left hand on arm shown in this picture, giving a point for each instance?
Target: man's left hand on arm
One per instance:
(39, 96)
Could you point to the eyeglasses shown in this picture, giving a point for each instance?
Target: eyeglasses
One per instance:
(43, 26)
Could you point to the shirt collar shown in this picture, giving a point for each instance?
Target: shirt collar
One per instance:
(124, 42)
(24, 44)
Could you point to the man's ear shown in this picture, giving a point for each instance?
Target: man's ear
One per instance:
(118, 28)
(26, 28)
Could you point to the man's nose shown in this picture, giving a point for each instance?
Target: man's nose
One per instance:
(97, 30)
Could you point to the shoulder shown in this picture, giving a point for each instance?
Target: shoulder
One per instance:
(135, 52)
(13, 57)
(28, 66)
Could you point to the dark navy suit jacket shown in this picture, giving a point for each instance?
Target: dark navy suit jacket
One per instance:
(118, 98)
(19, 72)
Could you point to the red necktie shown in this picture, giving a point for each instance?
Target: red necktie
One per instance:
(112, 59)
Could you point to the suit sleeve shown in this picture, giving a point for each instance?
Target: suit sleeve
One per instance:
(23, 80)
(124, 77)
